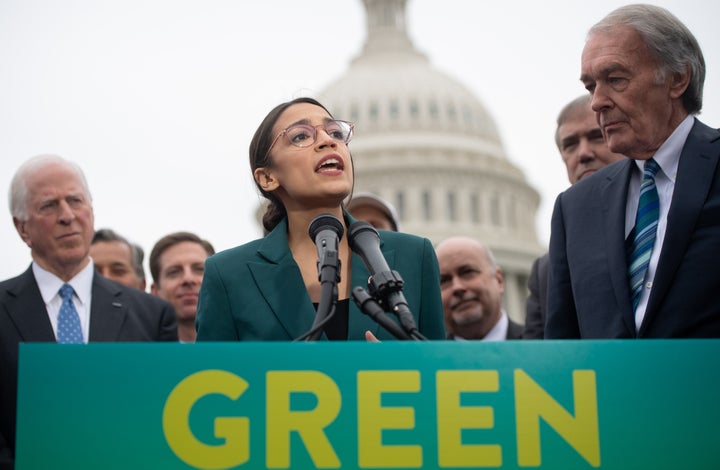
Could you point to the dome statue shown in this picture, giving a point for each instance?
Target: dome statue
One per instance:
(427, 144)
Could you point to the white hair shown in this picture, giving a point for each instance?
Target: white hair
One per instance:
(18, 196)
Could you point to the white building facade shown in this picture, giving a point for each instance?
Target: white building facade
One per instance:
(426, 144)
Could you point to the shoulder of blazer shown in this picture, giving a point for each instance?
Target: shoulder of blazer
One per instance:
(18, 285)
(109, 296)
(21, 299)
(703, 132)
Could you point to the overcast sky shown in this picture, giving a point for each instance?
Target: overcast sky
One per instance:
(157, 99)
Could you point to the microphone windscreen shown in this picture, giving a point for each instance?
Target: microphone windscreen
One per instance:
(325, 222)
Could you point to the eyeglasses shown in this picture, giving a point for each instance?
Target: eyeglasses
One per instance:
(304, 135)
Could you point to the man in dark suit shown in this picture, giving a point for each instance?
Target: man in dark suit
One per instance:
(471, 285)
(52, 212)
(583, 151)
(645, 72)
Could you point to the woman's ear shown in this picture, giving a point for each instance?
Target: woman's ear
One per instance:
(265, 179)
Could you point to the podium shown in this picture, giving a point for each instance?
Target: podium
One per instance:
(354, 405)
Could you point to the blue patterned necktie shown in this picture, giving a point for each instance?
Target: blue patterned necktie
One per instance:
(68, 326)
(646, 222)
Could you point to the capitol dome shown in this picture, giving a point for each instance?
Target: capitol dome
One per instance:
(427, 144)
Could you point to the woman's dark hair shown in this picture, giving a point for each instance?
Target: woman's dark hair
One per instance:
(259, 158)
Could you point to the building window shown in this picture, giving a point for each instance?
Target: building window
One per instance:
(512, 213)
(495, 210)
(475, 208)
(414, 110)
(394, 110)
(374, 111)
(451, 207)
(468, 117)
(400, 204)
(451, 112)
(354, 113)
(427, 205)
(434, 111)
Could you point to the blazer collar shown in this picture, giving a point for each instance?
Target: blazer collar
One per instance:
(293, 308)
(108, 310)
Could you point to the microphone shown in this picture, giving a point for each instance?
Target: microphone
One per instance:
(384, 282)
(325, 230)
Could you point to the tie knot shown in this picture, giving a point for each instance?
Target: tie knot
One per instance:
(66, 291)
(651, 168)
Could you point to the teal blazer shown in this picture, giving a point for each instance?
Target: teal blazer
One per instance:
(255, 292)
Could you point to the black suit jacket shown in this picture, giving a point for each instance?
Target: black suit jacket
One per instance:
(536, 304)
(117, 313)
(514, 331)
(589, 296)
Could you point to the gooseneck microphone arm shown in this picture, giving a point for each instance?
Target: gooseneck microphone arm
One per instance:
(326, 231)
(385, 284)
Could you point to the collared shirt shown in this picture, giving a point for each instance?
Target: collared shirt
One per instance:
(49, 285)
(496, 333)
(667, 158)
(499, 331)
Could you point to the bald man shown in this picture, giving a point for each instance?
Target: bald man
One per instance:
(471, 285)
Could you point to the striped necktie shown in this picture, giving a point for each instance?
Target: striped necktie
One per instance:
(68, 326)
(646, 222)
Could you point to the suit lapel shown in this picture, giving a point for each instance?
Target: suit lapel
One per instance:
(280, 274)
(107, 310)
(613, 196)
(293, 309)
(696, 169)
(27, 311)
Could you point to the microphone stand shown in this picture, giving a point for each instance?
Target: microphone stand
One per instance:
(325, 231)
(329, 269)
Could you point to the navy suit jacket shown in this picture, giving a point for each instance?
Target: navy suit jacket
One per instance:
(589, 296)
(255, 292)
(117, 313)
(536, 304)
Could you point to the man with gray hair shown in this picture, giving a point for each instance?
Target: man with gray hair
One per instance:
(60, 298)
(584, 151)
(633, 249)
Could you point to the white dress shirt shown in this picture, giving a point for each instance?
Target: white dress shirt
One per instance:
(50, 284)
(497, 332)
(667, 158)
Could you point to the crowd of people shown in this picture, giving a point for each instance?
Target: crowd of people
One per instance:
(632, 248)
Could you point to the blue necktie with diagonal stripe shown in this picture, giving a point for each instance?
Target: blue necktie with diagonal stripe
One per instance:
(68, 325)
(646, 222)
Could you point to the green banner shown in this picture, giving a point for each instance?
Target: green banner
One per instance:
(444, 404)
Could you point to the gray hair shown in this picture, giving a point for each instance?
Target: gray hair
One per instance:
(19, 194)
(581, 102)
(670, 43)
(136, 252)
